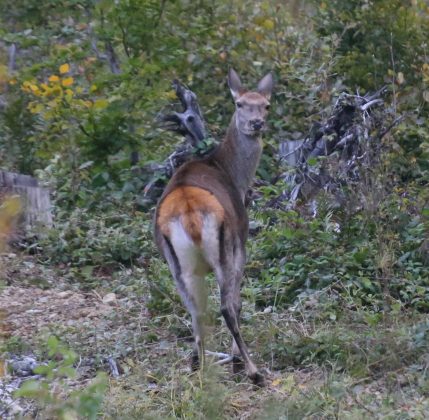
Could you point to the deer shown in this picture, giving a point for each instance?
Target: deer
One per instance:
(201, 221)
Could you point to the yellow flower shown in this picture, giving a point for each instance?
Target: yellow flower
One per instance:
(64, 68)
(68, 81)
(54, 78)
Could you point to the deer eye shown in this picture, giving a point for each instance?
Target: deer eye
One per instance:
(239, 104)
(267, 107)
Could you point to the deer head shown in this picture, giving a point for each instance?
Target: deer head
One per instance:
(251, 107)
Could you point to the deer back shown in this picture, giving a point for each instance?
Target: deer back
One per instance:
(208, 175)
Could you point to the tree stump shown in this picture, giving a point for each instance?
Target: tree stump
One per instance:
(35, 200)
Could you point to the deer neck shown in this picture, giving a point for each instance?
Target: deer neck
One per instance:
(239, 156)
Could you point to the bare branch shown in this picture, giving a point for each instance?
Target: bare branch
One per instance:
(112, 58)
(12, 50)
(355, 127)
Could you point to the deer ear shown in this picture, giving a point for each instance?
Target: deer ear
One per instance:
(265, 86)
(234, 84)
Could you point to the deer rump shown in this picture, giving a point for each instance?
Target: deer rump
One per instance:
(198, 208)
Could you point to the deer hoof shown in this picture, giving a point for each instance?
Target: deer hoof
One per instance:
(257, 379)
(237, 364)
(195, 362)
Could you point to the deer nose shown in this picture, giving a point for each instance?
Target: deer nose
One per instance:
(257, 124)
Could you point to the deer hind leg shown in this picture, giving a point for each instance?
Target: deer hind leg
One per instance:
(230, 312)
(239, 261)
(228, 276)
(188, 269)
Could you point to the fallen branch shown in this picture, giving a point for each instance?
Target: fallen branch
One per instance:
(224, 358)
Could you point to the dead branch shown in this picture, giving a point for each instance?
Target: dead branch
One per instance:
(189, 123)
(12, 50)
(349, 138)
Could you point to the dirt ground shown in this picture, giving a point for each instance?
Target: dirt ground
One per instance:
(29, 314)
(27, 311)
(146, 358)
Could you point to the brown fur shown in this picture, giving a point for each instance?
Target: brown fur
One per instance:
(190, 204)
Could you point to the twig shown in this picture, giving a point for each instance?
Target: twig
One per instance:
(217, 354)
(363, 406)
(293, 151)
(124, 38)
(12, 58)
(113, 367)
(344, 140)
(112, 58)
(224, 357)
(221, 362)
(161, 12)
(394, 71)
(371, 103)
(395, 122)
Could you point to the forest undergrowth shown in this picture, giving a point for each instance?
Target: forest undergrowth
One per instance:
(336, 287)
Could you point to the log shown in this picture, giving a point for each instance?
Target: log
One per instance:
(36, 201)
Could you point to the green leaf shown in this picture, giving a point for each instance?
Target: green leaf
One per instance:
(31, 389)
(52, 344)
(312, 161)
(67, 371)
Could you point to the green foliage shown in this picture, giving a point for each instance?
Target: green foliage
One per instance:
(170, 395)
(373, 251)
(14, 345)
(116, 238)
(52, 393)
(377, 40)
(348, 353)
(17, 122)
(162, 294)
(90, 114)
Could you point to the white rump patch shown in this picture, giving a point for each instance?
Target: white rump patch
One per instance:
(196, 259)
(210, 240)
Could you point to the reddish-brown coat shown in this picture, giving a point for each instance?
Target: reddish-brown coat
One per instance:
(189, 204)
